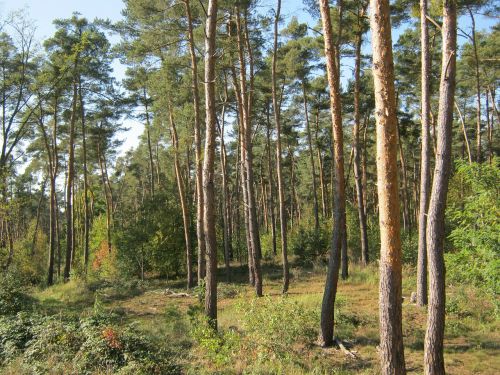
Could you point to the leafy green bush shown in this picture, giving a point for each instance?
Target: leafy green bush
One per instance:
(152, 243)
(13, 298)
(84, 346)
(277, 328)
(409, 245)
(219, 346)
(474, 221)
(308, 244)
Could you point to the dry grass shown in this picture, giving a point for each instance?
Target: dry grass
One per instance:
(472, 332)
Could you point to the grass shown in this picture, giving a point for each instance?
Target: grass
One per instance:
(472, 328)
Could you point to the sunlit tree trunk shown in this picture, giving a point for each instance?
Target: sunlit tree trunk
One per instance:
(357, 151)
(197, 142)
(328, 305)
(391, 332)
(69, 185)
(246, 99)
(433, 347)
(183, 200)
(279, 153)
(424, 159)
(208, 166)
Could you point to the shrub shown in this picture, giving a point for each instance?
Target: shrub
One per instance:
(409, 245)
(308, 244)
(219, 346)
(88, 345)
(13, 297)
(474, 215)
(277, 328)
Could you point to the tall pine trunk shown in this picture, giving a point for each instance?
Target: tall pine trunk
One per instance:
(69, 186)
(183, 200)
(357, 155)
(86, 213)
(208, 166)
(246, 99)
(197, 142)
(424, 159)
(311, 158)
(328, 304)
(433, 347)
(391, 331)
(279, 153)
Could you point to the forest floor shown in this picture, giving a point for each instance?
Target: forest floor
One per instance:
(472, 344)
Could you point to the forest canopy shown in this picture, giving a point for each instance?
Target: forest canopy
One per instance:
(297, 186)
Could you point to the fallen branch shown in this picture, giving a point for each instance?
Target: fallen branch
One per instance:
(344, 349)
(171, 293)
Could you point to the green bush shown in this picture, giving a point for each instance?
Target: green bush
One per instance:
(308, 244)
(84, 346)
(474, 223)
(13, 297)
(409, 245)
(219, 346)
(277, 328)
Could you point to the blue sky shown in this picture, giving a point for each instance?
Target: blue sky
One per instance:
(43, 12)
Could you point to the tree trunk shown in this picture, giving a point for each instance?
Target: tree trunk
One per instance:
(208, 166)
(225, 191)
(247, 138)
(69, 186)
(311, 158)
(424, 159)
(183, 200)
(279, 172)
(197, 142)
(86, 218)
(433, 348)
(357, 168)
(271, 180)
(391, 335)
(478, 88)
(150, 150)
(328, 304)
(321, 169)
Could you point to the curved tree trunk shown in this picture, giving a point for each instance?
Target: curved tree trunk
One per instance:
(433, 347)
(328, 304)
(391, 331)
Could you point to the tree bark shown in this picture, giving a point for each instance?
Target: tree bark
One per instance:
(328, 304)
(424, 159)
(357, 168)
(197, 141)
(391, 335)
(271, 180)
(150, 150)
(208, 166)
(225, 191)
(279, 152)
(246, 99)
(433, 347)
(478, 88)
(182, 197)
(86, 213)
(69, 186)
(311, 158)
